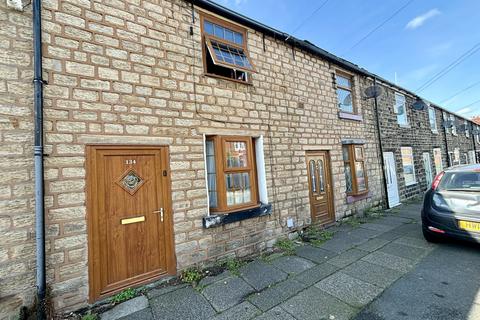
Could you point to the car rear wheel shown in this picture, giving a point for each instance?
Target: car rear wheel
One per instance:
(430, 237)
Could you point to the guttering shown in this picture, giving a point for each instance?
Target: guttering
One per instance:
(38, 159)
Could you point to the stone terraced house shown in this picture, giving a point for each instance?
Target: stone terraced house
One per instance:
(179, 132)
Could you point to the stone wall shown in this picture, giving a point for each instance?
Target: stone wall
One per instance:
(417, 134)
(130, 73)
(17, 245)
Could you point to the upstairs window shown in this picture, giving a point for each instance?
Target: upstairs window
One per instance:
(225, 51)
(231, 173)
(432, 119)
(345, 92)
(467, 131)
(400, 109)
(355, 173)
(454, 127)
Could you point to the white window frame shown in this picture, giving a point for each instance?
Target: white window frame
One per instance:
(445, 118)
(404, 152)
(402, 119)
(467, 133)
(433, 121)
(454, 127)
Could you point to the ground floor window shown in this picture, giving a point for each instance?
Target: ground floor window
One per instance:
(355, 173)
(471, 156)
(437, 159)
(408, 165)
(231, 173)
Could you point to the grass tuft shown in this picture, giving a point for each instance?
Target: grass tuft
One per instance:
(125, 295)
(286, 245)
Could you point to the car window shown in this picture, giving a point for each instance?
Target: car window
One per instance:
(460, 181)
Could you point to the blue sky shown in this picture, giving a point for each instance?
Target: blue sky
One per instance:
(425, 37)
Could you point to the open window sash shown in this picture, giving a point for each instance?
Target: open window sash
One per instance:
(228, 55)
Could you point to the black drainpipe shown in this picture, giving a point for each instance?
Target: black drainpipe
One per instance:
(38, 158)
(380, 144)
(446, 143)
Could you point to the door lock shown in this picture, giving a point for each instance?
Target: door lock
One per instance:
(161, 213)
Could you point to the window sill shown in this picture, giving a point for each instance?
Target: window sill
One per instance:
(211, 75)
(216, 220)
(405, 126)
(355, 198)
(349, 116)
(410, 184)
(434, 131)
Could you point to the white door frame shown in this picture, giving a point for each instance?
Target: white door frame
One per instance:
(427, 165)
(393, 196)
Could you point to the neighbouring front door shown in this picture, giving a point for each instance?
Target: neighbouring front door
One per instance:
(428, 169)
(129, 217)
(391, 179)
(319, 180)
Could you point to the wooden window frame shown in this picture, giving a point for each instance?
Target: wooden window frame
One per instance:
(206, 39)
(351, 77)
(222, 170)
(351, 163)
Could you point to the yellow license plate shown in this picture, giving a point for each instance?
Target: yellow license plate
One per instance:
(469, 225)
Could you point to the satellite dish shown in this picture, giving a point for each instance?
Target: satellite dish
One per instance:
(447, 124)
(420, 105)
(373, 92)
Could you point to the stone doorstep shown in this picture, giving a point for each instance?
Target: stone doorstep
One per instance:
(126, 308)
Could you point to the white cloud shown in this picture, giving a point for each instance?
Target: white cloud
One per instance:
(418, 21)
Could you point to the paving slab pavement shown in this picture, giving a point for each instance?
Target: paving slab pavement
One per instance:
(335, 280)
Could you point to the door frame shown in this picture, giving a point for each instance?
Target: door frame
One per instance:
(328, 176)
(91, 217)
(429, 163)
(395, 175)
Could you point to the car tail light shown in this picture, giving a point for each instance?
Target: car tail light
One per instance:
(437, 180)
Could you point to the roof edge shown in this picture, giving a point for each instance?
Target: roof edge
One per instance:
(302, 44)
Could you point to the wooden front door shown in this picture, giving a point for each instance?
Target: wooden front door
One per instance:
(320, 187)
(129, 217)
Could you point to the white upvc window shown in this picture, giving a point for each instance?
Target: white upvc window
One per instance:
(445, 118)
(467, 131)
(408, 165)
(432, 119)
(454, 127)
(400, 109)
(471, 156)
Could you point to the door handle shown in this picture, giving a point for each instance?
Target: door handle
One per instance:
(161, 213)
